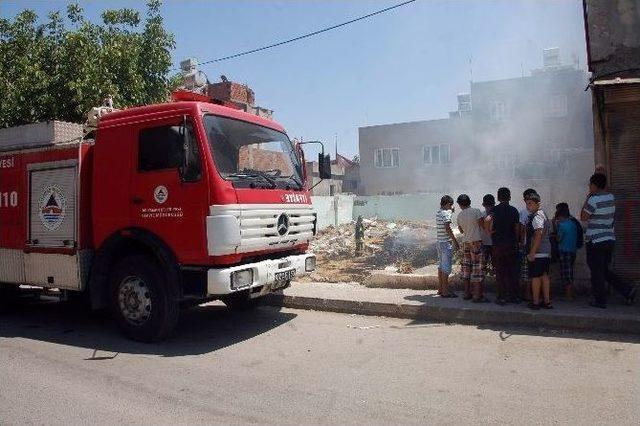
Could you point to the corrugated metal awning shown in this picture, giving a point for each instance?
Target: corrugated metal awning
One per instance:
(614, 81)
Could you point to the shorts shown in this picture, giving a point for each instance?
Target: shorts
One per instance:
(445, 256)
(567, 259)
(472, 263)
(539, 267)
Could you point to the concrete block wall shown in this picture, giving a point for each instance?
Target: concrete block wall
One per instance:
(334, 210)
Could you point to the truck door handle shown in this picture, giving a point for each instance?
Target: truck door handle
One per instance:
(137, 200)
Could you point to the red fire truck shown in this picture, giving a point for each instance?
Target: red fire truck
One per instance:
(158, 207)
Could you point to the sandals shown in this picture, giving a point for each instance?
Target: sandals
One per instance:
(481, 300)
(501, 302)
(547, 305)
(467, 297)
(533, 306)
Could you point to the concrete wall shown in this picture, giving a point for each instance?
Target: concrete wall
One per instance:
(333, 210)
(393, 207)
(613, 35)
(412, 174)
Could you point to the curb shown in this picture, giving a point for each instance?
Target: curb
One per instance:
(469, 316)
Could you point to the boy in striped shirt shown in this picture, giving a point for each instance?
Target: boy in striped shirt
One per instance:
(598, 212)
(446, 241)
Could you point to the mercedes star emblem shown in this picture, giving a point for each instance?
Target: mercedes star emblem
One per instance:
(283, 225)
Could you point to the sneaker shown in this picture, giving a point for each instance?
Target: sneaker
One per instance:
(501, 302)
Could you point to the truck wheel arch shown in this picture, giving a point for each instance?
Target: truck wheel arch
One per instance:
(124, 243)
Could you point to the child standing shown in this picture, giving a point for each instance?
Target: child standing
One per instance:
(567, 236)
(470, 222)
(522, 252)
(539, 253)
(488, 202)
(446, 243)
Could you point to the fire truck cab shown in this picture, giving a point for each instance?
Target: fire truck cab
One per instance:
(159, 207)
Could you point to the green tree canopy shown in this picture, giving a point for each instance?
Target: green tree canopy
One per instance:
(61, 68)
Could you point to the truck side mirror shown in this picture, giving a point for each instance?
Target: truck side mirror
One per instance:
(190, 170)
(303, 162)
(324, 166)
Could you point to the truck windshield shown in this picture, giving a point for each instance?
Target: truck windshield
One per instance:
(251, 155)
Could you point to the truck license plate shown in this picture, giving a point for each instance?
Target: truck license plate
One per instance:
(285, 276)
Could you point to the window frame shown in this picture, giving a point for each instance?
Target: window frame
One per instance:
(139, 151)
(504, 114)
(430, 149)
(391, 151)
(196, 151)
(551, 109)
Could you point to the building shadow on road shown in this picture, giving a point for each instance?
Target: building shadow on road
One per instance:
(201, 329)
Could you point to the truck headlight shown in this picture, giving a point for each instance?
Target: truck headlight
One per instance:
(241, 279)
(310, 264)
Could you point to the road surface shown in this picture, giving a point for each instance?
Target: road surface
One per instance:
(301, 367)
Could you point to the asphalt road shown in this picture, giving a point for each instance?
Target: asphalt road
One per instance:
(302, 367)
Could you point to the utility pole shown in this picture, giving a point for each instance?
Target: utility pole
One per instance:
(336, 143)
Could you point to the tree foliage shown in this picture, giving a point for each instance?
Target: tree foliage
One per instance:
(60, 68)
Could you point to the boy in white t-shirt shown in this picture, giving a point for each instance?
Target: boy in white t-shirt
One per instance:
(470, 222)
(523, 263)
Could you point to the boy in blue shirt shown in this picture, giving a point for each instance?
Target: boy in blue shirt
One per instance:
(567, 246)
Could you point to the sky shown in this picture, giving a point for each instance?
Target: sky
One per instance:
(404, 65)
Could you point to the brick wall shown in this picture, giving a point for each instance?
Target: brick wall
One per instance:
(253, 157)
(230, 91)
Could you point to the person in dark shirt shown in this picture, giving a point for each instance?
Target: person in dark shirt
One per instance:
(504, 227)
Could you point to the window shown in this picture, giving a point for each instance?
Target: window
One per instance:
(386, 157)
(444, 154)
(436, 154)
(160, 148)
(499, 111)
(247, 153)
(556, 106)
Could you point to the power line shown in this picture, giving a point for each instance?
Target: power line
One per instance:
(291, 40)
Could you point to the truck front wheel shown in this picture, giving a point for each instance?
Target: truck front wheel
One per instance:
(141, 300)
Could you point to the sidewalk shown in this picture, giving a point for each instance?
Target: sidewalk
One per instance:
(353, 298)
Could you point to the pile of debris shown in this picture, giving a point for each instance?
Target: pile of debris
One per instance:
(400, 246)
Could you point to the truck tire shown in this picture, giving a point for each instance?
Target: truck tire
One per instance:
(240, 301)
(142, 302)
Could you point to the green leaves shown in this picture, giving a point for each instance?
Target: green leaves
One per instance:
(61, 68)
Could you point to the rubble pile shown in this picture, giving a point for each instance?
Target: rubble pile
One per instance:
(400, 246)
